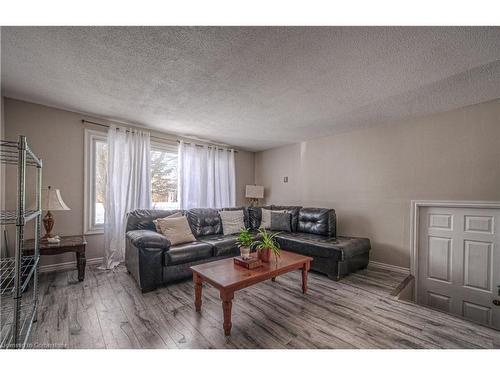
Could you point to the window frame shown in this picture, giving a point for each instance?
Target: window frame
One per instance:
(91, 138)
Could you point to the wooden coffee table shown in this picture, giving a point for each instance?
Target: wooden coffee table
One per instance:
(228, 277)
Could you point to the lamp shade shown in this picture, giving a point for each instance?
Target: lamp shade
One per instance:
(254, 191)
(52, 201)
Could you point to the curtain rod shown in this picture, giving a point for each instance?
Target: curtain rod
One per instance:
(154, 137)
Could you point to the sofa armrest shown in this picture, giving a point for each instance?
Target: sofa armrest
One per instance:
(144, 250)
(148, 238)
(332, 224)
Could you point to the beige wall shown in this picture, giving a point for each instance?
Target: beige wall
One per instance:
(370, 176)
(245, 174)
(57, 136)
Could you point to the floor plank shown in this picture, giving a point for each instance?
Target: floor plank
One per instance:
(107, 310)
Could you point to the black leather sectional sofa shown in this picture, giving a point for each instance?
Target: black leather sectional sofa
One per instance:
(153, 261)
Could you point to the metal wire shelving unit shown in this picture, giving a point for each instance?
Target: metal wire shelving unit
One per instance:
(19, 274)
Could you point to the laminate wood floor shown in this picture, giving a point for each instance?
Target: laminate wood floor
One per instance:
(107, 310)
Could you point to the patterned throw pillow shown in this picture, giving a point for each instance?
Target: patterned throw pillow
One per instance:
(265, 222)
(281, 221)
(177, 230)
(232, 221)
(155, 222)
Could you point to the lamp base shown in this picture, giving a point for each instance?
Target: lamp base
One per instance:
(48, 224)
(254, 202)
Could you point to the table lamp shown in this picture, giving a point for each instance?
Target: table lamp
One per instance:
(254, 193)
(51, 201)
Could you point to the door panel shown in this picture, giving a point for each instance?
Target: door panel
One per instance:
(439, 301)
(459, 262)
(441, 221)
(477, 264)
(481, 224)
(480, 314)
(439, 262)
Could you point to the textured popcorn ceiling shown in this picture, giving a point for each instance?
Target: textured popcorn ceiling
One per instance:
(252, 87)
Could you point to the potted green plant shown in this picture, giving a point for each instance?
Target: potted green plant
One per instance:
(267, 245)
(244, 241)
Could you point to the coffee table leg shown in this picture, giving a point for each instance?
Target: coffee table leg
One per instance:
(227, 304)
(305, 269)
(197, 291)
(81, 262)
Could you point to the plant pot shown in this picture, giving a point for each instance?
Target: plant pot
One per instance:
(265, 255)
(245, 252)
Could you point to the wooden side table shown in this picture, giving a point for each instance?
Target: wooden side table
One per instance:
(68, 244)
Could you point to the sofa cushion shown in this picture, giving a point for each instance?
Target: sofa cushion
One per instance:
(245, 213)
(316, 220)
(204, 221)
(339, 248)
(143, 219)
(294, 210)
(148, 239)
(265, 222)
(187, 252)
(232, 221)
(156, 221)
(255, 216)
(177, 230)
(281, 221)
(222, 244)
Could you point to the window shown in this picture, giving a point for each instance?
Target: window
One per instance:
(163, 178)
(101, 163)
(96, 157)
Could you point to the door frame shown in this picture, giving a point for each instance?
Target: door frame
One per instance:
(414, 226)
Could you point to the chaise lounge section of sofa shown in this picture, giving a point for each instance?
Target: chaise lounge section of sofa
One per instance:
(316, 237)
(152, 260)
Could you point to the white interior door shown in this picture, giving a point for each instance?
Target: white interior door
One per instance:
(459, 262)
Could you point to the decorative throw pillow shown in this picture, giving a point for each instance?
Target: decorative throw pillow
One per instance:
(281, 221)
(265, 222)
(155, 222)
(232, 221)
(176, 230)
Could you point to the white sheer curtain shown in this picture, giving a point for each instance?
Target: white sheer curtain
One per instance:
(128, 187)
(206, 176)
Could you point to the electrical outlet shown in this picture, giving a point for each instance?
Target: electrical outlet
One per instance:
(285, 179)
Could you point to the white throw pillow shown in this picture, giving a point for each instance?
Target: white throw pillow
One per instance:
(176, 230)
(265, 222)
(155, 222)
(232, 221)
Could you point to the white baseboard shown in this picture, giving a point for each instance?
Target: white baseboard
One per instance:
(68, 265)
(389, 267)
